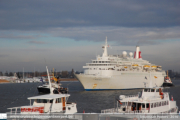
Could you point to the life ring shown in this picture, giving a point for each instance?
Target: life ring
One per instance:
(135, 118)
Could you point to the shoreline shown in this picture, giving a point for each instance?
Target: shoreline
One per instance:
(60, 80)
(4, 81)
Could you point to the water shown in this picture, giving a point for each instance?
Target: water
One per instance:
(15, 94)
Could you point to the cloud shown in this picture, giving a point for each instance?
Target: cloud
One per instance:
(39, 15)
(37, 42)
(118, 35)
(3, 55)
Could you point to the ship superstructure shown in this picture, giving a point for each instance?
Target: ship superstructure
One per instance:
(120, 72)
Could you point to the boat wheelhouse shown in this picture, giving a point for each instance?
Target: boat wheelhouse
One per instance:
(150, 100)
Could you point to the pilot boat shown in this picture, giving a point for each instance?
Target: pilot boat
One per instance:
(149, 100)
(50, 103)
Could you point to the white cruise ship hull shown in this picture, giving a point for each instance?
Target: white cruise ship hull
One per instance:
(122, 80)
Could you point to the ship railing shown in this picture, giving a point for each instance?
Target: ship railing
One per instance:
(112, 110)
(115, 110)
(26, 110)
(130, 97)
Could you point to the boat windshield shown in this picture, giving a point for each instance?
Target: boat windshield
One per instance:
(43, 101)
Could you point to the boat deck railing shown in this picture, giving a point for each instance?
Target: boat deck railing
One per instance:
(120, 110)
(130, 97)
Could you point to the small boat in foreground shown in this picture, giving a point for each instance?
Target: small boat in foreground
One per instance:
(51, 103)
(150, 100)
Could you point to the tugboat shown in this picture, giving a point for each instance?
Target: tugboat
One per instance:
(56, 87)
(51, 103)
(167, 82)
(150, 100)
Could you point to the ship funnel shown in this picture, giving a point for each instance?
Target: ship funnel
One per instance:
(105, 54)
(137, 53)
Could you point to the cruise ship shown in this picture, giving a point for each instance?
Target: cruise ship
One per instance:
(111, 72)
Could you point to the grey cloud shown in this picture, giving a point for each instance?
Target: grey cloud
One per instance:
(43, 14)
(118, 35)
(37, 42)
(3, 55)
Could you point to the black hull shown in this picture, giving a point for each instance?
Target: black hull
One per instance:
(167, 85)
(55, 91)
(44, 90)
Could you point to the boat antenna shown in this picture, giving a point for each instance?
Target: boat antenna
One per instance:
(51, 92)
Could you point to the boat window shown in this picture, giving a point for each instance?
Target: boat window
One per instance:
(143, 105)
(157, 90)
(51, 101)
(102, 61)
(154, 104)
(58, 100)
(147, 105)
(159, 103)
(152, 90)
(164, 102)
(99, 61)
(41, 101)
(151, 105)
(167, 102)
(146, 90)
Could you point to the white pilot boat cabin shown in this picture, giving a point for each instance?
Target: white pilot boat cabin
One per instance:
(149, 100)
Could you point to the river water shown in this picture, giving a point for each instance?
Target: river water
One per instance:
(16, 94)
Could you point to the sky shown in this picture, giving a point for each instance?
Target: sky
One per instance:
(67, 34)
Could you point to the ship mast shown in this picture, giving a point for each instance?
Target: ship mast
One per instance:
(105, 54)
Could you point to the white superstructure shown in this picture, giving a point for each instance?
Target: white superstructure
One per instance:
(120, 72)
(150, 100)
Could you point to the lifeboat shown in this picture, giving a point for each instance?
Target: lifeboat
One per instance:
(159, 68)
(135, 65)
(153, 67)
(146, 66)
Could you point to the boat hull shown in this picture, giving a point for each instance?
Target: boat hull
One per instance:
(43, 90)
(121, 81)
(167, 85)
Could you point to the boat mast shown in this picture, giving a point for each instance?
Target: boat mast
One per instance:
(23, 74)
(51, 92)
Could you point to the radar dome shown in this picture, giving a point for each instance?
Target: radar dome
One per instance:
(124, 53)
(130, 54)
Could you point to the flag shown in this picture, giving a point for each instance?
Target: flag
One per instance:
(119, 101)
(41, 80)
(83, 111)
